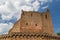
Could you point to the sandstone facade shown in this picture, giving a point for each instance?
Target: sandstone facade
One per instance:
(34, 22)
(32, 26)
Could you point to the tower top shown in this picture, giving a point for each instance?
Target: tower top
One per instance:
(47, 10)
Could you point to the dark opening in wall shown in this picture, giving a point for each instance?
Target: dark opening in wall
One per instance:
(26, 23)
(46, 16)
(22, 13)
(35, 24)
(31, 14)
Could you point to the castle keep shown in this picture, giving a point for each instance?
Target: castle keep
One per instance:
(32, 26)
(34, 22)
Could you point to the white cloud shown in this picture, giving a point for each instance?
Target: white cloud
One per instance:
(9, 7)
(4, 27)
(36, 5)
(44, 0)
(12, 8)
(5, 17)
(44, 7)
(27, 8)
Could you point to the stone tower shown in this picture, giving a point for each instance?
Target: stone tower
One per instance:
(34, 22)
(32, 26)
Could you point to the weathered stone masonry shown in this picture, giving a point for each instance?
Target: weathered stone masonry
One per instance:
(28, 36)
(32, 26)
(34, 22)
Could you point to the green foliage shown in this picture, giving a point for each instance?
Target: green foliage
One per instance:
(58, 33)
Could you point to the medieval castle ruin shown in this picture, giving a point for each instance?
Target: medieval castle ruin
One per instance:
(32, 26)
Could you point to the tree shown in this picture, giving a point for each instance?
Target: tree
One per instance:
(58, 33)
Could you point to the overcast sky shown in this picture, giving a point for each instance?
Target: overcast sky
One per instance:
(10, 12)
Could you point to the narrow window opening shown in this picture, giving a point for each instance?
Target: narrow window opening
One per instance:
(46, 16)
(35, 24)
(23, 14)
(26, 23)
(31, 14)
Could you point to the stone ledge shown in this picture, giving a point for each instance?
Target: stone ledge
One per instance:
(34, 35)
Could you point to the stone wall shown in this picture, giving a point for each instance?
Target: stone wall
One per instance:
(28, 36)
(47, 23)
(31, 22)
(34, 22)
(32, 26)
